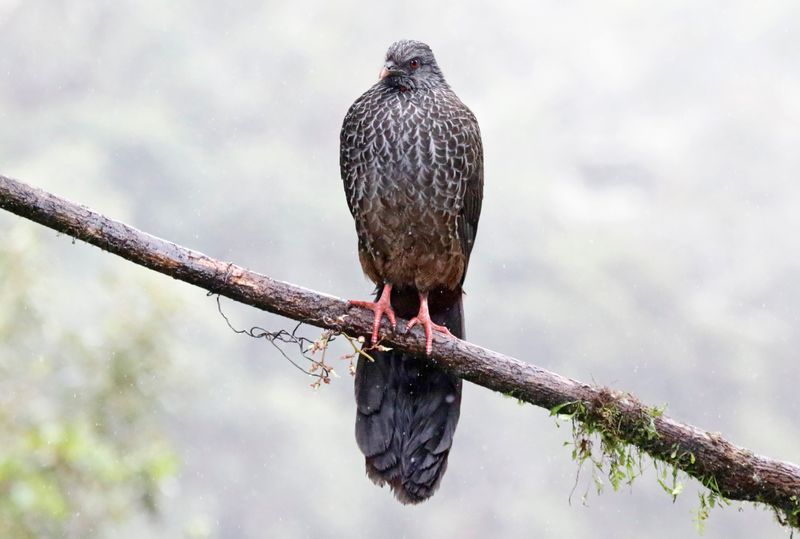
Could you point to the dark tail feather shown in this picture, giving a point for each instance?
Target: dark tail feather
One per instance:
(407, 408)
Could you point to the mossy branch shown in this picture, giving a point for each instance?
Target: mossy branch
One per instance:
(618, 418)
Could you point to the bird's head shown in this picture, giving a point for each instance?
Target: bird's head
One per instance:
(410, 65)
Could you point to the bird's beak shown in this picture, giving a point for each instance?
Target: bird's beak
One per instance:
(389, 70)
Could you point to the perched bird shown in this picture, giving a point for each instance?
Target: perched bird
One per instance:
(411, 161)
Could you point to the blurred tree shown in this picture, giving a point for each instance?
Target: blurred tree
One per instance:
(81, 445)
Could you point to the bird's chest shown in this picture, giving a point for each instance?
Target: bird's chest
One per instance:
(406, 187)
(410, 173)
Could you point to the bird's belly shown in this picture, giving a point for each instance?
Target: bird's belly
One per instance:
(414, 245)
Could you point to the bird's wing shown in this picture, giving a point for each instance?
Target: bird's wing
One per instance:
(472, 189)
(348, 152)
(355, 155)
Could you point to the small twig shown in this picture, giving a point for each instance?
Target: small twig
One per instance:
(319, 369)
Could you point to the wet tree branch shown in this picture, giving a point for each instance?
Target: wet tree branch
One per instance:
(618, 417)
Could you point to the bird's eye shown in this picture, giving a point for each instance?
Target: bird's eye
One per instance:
(414, 64)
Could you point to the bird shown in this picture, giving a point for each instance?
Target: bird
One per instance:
(411, 161)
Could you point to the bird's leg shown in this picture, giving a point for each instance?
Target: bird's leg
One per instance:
(380, 307)
(424, 319)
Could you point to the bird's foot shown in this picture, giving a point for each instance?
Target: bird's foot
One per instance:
(380, 307)
(424, 319)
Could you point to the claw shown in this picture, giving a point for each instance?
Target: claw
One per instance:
(424, 319)
(380, 307)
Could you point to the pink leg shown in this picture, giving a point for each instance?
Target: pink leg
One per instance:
(424, 319)
(380, 307)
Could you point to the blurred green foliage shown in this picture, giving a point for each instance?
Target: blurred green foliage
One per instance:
(81, 446)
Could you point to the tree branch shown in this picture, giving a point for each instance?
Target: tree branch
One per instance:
(728, 470)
